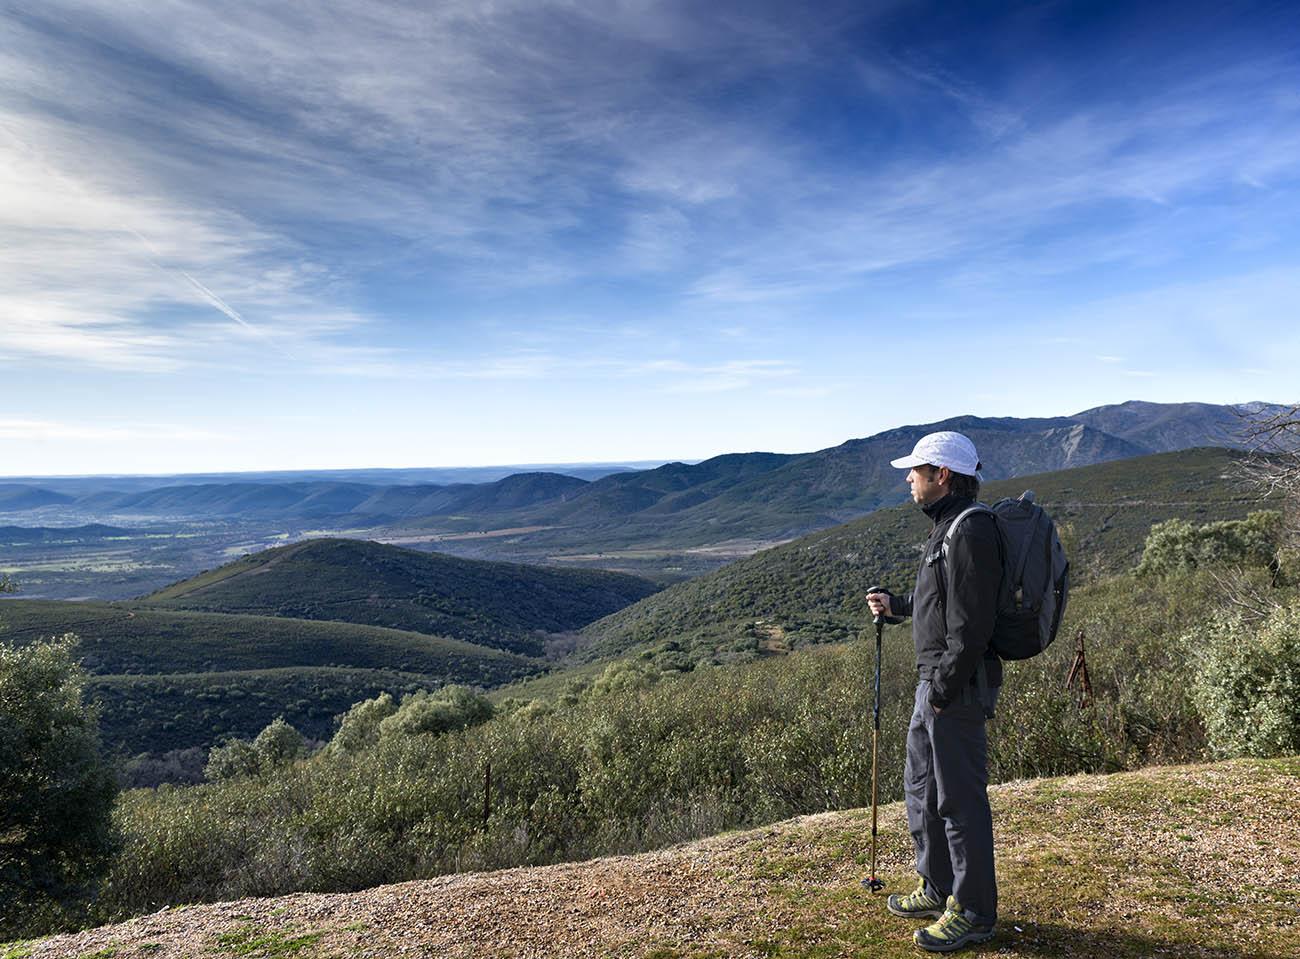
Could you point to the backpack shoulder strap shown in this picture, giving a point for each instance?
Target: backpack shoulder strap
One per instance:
(952, 529)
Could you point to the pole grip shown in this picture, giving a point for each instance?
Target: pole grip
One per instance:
(879, 618)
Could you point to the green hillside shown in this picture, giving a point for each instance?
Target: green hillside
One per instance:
(173, 679)
(122, 639)
(810, 590)
(501, 605)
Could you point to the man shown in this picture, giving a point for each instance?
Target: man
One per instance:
(953, 607)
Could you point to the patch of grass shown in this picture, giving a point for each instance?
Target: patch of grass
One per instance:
(1286, 765)
(783, 867)
(253, 941)
(1137, 794)
(20, 949)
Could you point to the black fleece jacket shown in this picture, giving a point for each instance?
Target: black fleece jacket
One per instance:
(952, 629)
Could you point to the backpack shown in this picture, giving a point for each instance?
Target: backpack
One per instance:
(1035, 575)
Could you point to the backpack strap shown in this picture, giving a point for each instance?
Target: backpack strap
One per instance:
(943, 550)
(981, 671)
(952, 528)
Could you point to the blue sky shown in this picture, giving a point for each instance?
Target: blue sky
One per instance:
(312, 235)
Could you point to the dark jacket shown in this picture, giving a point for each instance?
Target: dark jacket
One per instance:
(952, 627)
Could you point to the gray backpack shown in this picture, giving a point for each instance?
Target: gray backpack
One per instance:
(1035, 575)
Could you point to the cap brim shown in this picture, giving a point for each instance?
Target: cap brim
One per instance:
(907, 462)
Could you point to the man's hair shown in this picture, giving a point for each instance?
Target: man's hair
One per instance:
(959, 483)
(963, 485)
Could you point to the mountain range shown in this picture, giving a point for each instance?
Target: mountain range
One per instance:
(738, 494)
(667, 523)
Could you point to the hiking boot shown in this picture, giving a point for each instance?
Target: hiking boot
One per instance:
(915, 905)
(956, 929)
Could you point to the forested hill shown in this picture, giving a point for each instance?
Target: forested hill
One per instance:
(812, 588)
(501, 605)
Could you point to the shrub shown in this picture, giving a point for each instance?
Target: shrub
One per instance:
(1249, 684)
(451, 708)
(56, 789)
(1177, 546)
(359, 726)
(232, 759)
(279, 744)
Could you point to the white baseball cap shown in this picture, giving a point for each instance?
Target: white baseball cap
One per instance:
(952, 450)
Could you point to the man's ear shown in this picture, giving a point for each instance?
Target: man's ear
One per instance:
(944, 476)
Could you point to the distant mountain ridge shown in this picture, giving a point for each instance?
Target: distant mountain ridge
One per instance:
(777, 496)
(815, 586)
(19, 535)
(757, 495)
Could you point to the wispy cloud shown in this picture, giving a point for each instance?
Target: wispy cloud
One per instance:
(685, 377)
(674, 196)
(39, 429)
(1030, 201)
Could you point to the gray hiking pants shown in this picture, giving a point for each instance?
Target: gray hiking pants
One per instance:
(946, 780)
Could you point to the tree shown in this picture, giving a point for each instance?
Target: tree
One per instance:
(449, 709)
(231, 760)
(1274, 463)
(359, 726)
(278, 744)
(56, 789)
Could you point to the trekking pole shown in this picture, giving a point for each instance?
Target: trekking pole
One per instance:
(872, 882)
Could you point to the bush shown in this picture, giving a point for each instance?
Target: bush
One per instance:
(1177, 546)
(1248, 687)
(279, 744)
(231, 760)
(359, 727)
(56, 789)
(451, 708)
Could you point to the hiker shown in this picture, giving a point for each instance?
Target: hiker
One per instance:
(953, 608)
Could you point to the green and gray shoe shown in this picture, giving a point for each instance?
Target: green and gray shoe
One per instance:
(955, 930)
(915, 905)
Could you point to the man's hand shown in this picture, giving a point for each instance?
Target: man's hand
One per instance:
(879, 603)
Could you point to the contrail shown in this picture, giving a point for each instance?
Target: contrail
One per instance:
(208, 295)
(155, 256)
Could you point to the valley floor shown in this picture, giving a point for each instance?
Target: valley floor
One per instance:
(1194, 861)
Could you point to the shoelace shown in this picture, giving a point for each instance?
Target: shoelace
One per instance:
(953, 925)
(919, 900)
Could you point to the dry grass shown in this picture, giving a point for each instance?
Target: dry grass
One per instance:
(1195, 861)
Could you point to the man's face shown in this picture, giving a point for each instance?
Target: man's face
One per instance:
(926, 486)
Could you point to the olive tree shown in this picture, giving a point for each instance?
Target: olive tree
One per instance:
(56, 788)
